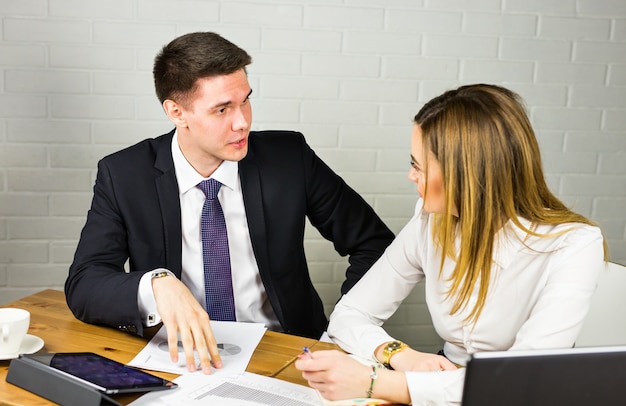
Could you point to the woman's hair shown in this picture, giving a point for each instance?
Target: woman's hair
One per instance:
(193, 56)
(492, 172)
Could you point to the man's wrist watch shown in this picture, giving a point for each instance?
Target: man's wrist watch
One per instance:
(390, 349)
(161, 274)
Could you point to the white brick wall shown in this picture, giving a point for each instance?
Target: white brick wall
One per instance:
(75, 85)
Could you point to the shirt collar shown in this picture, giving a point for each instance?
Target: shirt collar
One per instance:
(187, 176)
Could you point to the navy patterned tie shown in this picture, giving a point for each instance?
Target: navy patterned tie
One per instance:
(218, 284)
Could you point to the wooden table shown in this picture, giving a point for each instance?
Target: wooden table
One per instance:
(52, 321)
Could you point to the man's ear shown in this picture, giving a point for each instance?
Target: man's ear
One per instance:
(175, 113)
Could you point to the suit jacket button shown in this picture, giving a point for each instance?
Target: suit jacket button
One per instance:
(130, 328)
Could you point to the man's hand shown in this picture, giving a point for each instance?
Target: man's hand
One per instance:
(181, 313)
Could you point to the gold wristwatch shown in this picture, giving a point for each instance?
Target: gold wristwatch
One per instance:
(390, 349)
(161, 274)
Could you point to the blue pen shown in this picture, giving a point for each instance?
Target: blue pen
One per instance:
(307, 352)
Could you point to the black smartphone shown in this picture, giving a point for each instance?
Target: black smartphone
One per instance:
(103, 374)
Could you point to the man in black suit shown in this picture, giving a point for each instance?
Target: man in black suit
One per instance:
(146, 210)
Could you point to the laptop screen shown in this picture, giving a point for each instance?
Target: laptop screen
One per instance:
(572, 377)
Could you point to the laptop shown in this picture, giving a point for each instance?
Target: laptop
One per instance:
(569, 377)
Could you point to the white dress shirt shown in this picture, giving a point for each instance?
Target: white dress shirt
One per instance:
(251, 302)
(539, 294)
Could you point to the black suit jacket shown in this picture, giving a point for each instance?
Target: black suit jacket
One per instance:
(135, 216)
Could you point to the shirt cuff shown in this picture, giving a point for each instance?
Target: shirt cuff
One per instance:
(145, 298)
(436, 388)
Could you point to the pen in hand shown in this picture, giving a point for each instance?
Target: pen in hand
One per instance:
(307, 353)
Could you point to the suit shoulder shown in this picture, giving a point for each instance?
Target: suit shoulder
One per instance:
(147, 147)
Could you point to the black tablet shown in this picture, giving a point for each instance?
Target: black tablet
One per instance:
(104, 374)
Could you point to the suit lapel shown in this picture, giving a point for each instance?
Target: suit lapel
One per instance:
(253, 202)
(167, 190)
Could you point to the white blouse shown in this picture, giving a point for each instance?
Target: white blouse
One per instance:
(539, 294)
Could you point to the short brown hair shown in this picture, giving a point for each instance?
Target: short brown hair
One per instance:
(190, 57)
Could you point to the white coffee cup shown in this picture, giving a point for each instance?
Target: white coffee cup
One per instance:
(13, 327)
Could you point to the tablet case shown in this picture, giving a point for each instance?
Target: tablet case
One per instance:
(46, 382)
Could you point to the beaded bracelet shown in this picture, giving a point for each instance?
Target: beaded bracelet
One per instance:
(373, 377)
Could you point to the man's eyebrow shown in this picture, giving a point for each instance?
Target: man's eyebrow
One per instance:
(229, 102)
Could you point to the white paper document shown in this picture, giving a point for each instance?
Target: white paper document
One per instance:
(236, 343)
(246, 389)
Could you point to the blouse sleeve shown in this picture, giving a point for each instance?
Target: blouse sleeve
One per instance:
(564, 300)
(436, 388)
(355, 323)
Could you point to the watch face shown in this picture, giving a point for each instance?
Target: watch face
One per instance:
(394, 345)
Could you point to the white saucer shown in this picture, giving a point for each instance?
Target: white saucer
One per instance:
(30, 344)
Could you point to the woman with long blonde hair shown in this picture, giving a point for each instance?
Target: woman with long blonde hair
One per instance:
(506, 265)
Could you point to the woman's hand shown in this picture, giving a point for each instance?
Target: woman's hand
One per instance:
(412, 360)
(338, 376)
(335, 374)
